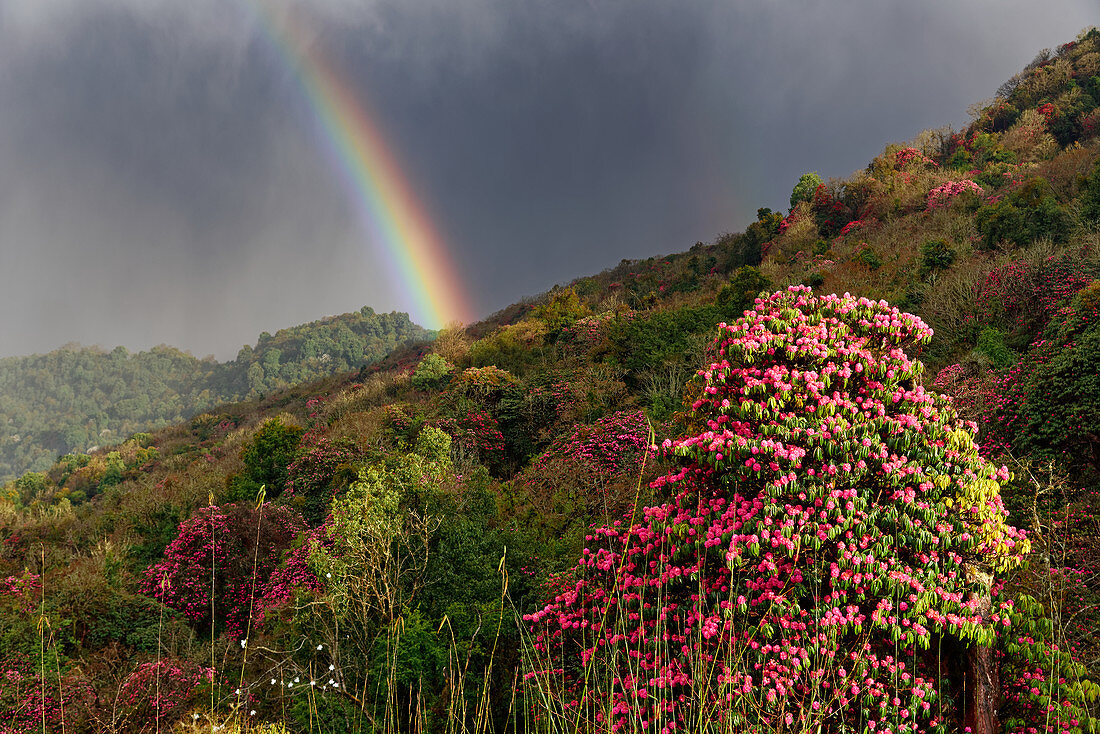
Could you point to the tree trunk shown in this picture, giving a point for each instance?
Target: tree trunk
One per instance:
(982, 682)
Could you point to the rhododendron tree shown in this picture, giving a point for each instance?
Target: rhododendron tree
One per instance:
(217, 566)
(33, 698)
(824, 561)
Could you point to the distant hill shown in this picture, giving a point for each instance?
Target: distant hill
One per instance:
(75, 398)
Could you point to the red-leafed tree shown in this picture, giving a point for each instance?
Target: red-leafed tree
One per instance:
(218, 565)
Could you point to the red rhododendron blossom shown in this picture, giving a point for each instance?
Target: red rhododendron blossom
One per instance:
(944, 194)
(219, 563)
(831, 529)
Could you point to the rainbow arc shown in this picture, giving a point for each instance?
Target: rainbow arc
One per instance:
(373, 176)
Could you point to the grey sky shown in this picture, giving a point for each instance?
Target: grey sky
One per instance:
(162, 180)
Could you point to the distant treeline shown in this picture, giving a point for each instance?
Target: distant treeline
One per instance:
(75, 398)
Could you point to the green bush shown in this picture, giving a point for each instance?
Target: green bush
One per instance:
(1025, 215)
(813, 279)
(991, 343)
(1090, 195)
(870, 258)
(737, 295)
(936, 255)
(432, 372)
(805, 188)
(269, 453)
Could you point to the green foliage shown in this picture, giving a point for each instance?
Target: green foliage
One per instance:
(805, 188)
(991, 343)
(867, 256)
(660, 337)
(936, 255)
(432, 371)
(75, 398)
(1062, 406)
(764, 229)
(269, 453)
(1090, 195)
(814, 279)
(562, 309)
(1023, 216)
(745, 285)
(1040, 677)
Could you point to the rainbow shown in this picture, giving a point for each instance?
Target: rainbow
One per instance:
(381, 193)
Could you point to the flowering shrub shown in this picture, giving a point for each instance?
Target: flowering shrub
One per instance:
(158, 693)
(233, 549)
(313, 476)
(854, 225)
(944, 194)
(908, 155)
(1037, 676)
(1028, 295)
(830, 213)
(830, 529)
(476, 433)
(593, 471)
(21, 592)
(25, 703)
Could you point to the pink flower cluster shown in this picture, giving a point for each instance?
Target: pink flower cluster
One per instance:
(25, 703)
(159, 692)
(944, 194)
(905, 156)
(23, 590)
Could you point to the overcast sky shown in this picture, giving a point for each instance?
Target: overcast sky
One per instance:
(162, 179)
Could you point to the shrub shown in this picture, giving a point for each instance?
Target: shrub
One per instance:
(432, 371)
(805, 188)
(269, 453)
(561, 309)
(870, 258)
(944, 194)
(1026, 214)
(321, 468)
(737, 295)
(936, 255)
(832, 530)
(991, 343)
(215, 568)
(591, 473)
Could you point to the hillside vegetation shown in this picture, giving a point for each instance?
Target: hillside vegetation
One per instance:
(701, 492)
(76, 398)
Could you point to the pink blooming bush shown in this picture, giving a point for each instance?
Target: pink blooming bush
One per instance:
(219, 562)
(831, 529)
(158, 693)
(65, 700)
(22, 592)
(905, 156)
(593, 471)
(944, 194)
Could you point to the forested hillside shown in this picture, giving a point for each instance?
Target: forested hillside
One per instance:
(836, 473)
(77, 398)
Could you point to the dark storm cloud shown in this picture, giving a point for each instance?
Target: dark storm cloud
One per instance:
(162, 180)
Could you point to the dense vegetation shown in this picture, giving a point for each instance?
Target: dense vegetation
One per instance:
(77, 398)
(699, 492)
